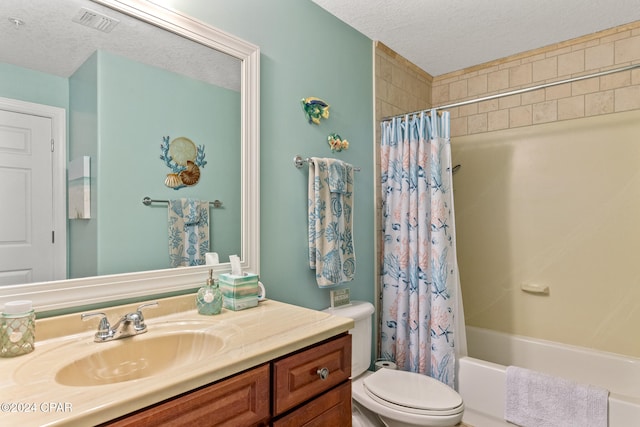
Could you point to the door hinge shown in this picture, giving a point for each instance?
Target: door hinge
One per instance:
(53, 236)
(53, 145)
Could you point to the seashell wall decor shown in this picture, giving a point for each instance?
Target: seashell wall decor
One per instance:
(185, 160)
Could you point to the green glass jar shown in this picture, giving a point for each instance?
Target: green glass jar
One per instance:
(209, 297)
(17, 329)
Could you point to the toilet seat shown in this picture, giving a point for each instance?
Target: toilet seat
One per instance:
(412, 393)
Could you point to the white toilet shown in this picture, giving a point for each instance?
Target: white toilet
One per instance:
(389, 397)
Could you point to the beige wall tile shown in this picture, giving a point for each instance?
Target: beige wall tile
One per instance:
(585, 86)
(545, 112)
(571, 108)
(627, 50)
(545, 69)
(520, 116)
(477, 85)
(458, 90)
(534, 58)
(520, 75)
(509, 64)
(599, 103)
(533, 97)
(477, 123)
(497, 80)
(497, 120)
(509, 101)
(613, 81)
(454, 113)
(627, 98)
(458, 126)
(385, 68)
(615, 36)
(440, 94)
(571, 63)
(468, 110)
(490, 105)
(560, 51)
(598, 56)
(555, 92)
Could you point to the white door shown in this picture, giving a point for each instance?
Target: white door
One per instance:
(26, 199)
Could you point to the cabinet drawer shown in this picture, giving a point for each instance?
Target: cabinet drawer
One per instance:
(331, 409)
(297, 378)
(242, 400)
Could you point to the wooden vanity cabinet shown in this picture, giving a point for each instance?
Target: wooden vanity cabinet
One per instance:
(308, 387)
(302, 376)
(241, 400)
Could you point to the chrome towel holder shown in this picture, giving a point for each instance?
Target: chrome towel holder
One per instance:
(299, 161)
(147, 201)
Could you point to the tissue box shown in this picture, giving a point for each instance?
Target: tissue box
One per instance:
(238, 279)
(236, 304)
(244, 286)
(239, 291)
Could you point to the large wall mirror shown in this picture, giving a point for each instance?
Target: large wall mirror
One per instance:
(117, 48)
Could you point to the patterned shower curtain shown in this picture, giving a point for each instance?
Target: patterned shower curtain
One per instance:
(421, 304)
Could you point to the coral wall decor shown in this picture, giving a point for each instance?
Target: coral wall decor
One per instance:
(184, 159)
(337, 143)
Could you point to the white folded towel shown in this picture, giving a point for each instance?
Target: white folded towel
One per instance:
(534, 399)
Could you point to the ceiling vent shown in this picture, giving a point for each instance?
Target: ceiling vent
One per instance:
(97, 21)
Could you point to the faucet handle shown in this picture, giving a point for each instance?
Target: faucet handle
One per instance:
(148, 304)
(104, 328)
(138, 319)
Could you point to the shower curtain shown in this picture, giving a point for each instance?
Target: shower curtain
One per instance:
(422, 322)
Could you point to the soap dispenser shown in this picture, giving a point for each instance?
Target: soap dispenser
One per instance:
(209, 298)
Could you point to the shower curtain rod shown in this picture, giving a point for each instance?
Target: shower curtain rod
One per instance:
(519, 91)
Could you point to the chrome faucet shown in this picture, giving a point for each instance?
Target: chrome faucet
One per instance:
(128, 325)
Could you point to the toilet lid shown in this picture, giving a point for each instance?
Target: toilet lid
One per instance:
(412, 391)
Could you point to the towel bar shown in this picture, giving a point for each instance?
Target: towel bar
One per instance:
(298, 162)
(148, 200)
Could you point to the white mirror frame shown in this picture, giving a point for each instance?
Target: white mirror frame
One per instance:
(64, 294)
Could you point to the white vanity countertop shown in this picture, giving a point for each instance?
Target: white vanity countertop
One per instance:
(31, 396)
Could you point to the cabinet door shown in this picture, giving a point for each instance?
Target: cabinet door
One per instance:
(307, 374)
(242, 400)
(331, 409)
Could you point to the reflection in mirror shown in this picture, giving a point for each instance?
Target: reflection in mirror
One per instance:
(126, 87)
(123, 99)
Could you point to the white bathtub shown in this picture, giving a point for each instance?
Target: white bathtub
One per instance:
(482, 375)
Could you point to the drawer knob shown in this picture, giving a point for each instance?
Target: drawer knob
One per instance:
(323, 373)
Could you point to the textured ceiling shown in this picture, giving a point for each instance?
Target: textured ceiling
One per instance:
(442, 36)
(49, 41)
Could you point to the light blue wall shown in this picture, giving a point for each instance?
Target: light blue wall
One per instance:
(82, 241)
(304, 52)
(137, 105)
(33, 86)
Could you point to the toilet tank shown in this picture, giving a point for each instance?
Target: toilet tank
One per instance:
(361, 312)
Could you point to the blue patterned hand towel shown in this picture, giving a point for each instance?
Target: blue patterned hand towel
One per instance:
(188, 232)
(331, 251)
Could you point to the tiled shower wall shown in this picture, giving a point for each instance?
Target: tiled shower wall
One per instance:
(601, 51)
(401, 87)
